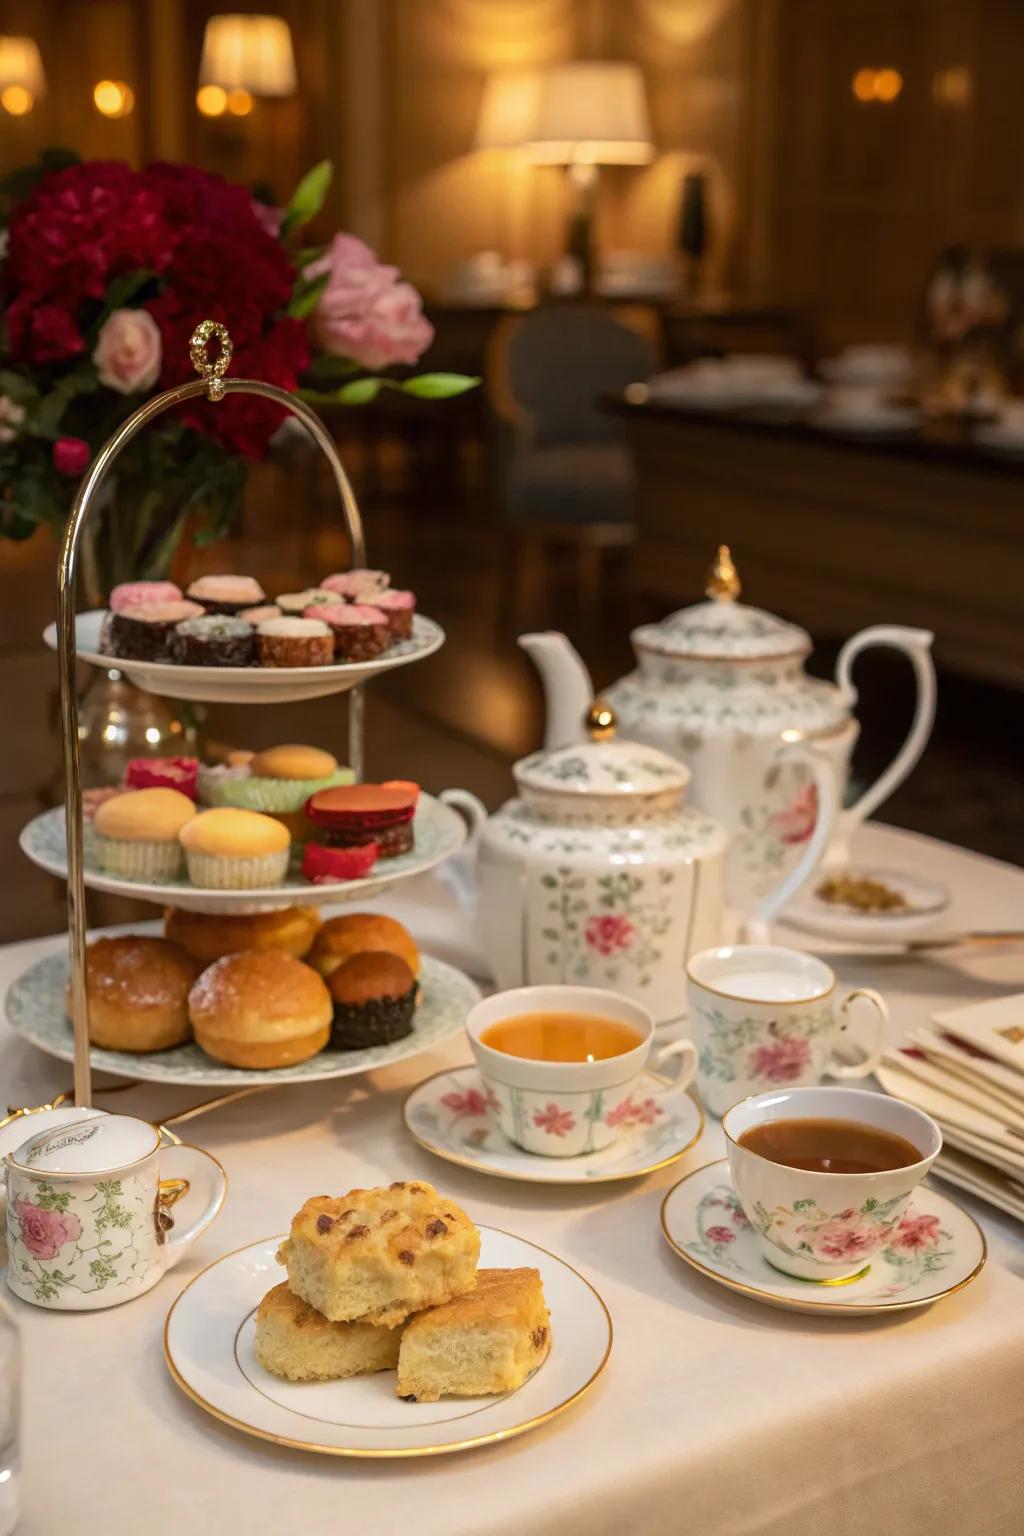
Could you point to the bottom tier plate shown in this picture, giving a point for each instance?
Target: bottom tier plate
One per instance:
(35, 1010)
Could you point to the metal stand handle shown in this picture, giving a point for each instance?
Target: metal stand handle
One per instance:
(215, 387)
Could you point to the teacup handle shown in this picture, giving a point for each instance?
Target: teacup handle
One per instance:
(874, 1056)
(684, 1075)
(188, 1173)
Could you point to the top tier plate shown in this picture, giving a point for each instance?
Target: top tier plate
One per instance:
(248, 685)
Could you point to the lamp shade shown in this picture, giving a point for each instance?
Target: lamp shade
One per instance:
(249, 53)
(508, 109)
(591, 113)
(20, 64)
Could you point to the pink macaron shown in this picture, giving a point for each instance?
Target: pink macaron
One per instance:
(129, 594)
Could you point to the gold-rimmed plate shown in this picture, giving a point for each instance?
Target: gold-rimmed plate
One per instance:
(208, 1345)
(448, 1114)
(936, 1250)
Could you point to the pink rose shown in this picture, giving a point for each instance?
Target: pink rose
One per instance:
(44, 1233)
(71, 455)
(846, 1236)
(128, 351)
(268, 218)
(720, 1234)
(916, 1232)
(364, 312)
(780, 1061)
(796, 823)
(609, 932)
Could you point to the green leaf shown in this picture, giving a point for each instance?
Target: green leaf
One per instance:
(438, 386)
(118, 296)
(308, 197)
(45, 421)
(306, 296)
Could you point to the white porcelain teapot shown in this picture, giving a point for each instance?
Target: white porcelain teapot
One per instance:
(597, 873)
(722, 687)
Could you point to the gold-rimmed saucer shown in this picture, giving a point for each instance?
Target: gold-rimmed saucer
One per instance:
(448, 1114)
(208, 1346)
(935, 1251)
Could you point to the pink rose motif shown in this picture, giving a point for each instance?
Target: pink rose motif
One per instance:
(780, 1061)
(128, 352)
(44, 1233)
(915, 1232)
(720, 1234)
(472, 1102)
(557, 1122)
(739, 1217)
(797, 821)
(609, 933)
(71, 455)
(365, 312)
(846, 1236)
(268, 218)
(628, 1113)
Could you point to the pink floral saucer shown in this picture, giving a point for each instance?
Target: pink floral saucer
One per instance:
(936, 1250)
(449, 1115)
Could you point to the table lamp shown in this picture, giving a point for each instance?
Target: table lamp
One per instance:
(22, 81)
(248, 53)
(585, 115)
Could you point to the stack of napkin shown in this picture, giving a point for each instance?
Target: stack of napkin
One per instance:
(966, 1070)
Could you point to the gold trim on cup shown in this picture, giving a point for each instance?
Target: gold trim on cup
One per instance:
(815, 1173)
(765, 1002)
(88, 1173)
(523, 1178)
(420, 1450)
(807, 1304)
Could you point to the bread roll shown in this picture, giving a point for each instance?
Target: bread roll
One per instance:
(137, 988)
(357, 933)
(260, 1010)
(207, 937)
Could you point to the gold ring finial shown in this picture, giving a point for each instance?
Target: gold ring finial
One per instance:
(212, 369)
(600, 721)
(723, 582)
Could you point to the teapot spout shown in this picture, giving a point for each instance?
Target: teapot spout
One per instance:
(568, 692)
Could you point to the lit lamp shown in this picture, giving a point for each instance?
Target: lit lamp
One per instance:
(586, 115)
(244, 56)
(508, 109)
(22, 81)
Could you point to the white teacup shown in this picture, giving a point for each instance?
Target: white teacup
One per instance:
(89, 1221)
(564, 1108)
(825, 1226)
(766, 1017)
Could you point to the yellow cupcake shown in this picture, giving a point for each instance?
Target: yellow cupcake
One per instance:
(234, 850)
(137, 833)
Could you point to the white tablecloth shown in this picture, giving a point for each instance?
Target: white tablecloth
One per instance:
(715, 1415)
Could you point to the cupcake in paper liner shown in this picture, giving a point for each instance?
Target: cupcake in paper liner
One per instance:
(229, 849)
(138, 833)
(281, 779)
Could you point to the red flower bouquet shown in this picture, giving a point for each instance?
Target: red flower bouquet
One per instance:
(106, 271)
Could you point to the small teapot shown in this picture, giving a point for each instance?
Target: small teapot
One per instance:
(597, 873)
(722, 687)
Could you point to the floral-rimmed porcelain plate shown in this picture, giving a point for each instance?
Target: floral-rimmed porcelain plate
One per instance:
(936, 1250)
(438, 830)
(248, 685)
(924, 902)
(35, 1010)
(448, 1114)
(208, 1345)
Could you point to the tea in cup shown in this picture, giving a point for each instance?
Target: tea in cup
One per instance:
(825, 1175)
(763, 1016)
(563, 1065)
(89, 1220)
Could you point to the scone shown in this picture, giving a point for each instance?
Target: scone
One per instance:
(295, 1341)
(137, 988)
(260, 1009)
(208, 935)
(378, 1254)
(487, 1341)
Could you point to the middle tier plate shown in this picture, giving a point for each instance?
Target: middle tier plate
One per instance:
(439, 832)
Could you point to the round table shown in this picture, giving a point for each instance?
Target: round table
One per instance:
(715, 1414)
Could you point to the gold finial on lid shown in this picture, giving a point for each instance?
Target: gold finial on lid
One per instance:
(600, 721)
(212, 369)
(723, 582)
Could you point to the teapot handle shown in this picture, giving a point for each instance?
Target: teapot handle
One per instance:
(460, 872)
(756, 928)
(917, 644)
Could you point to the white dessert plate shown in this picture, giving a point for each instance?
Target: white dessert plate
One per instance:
(926, 901)
(438, 833)
(936, 1250)
(248, 685)
(209, 1348)
(448, 1114)
(35, 1011)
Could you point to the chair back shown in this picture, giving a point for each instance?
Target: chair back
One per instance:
(561, 360)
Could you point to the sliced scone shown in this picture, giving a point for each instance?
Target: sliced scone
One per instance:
(377, 1255)
(489, 1340)
(295, 1341)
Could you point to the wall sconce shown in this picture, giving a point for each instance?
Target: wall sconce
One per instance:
(22, 80)
(113, 98)
(245, 56)
(882, 85)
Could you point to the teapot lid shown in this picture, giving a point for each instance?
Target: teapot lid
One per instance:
(616, 770)
(723, 629)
